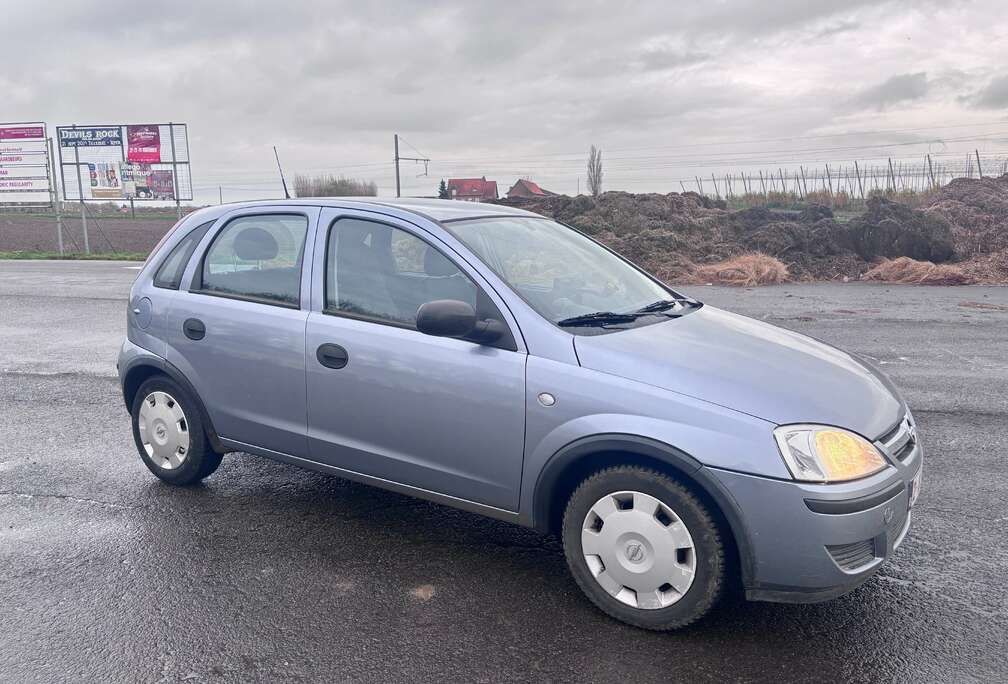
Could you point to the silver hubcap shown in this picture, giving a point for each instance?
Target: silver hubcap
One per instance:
(164, 430)
(638, 550)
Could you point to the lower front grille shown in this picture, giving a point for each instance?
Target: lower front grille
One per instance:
(853, 556)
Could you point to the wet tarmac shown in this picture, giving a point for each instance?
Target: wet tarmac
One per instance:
(271, 573)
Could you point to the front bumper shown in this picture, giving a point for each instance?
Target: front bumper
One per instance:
(813, 542)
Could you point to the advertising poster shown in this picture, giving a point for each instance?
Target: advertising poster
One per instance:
(140, 181)
(105, 181)
(125, 162)
(143, 144)
(24, 164)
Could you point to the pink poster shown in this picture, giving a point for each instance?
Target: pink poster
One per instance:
(143, 144)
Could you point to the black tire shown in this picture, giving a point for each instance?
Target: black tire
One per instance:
(709, 579)
(200, 458)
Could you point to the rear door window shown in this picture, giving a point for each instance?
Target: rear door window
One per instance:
(257, 258)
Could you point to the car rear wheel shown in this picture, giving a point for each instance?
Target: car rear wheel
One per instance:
(643, 548)
(169, 433)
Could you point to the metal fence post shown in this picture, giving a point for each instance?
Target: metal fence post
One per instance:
(56, 196)
(174, 169)
(80, 194)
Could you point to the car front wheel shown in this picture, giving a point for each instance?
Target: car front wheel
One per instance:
(643, 548)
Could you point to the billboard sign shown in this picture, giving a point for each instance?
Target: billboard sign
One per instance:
(95, 136)
(24, 165)
(132, 161)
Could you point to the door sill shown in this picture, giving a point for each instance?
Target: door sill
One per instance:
(408, 490)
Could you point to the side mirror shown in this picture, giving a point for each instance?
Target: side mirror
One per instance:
(446, 318)
(454, 318)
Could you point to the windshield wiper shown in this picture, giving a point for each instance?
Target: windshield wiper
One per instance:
(664, 305)
(598, 318)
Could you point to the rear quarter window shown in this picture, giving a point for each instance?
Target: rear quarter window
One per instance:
(169, 274)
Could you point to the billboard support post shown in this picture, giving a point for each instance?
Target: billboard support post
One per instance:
(56, 197)
(80, 193)
(171, 134)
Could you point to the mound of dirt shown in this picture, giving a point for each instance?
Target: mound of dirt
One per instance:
(675, 235)
(977, 211)
(889, 229)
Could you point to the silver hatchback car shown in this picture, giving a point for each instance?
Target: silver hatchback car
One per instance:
(491, 359)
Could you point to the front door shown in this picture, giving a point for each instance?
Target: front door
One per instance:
(238, 332)
(384, 400)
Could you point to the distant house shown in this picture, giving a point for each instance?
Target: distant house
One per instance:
(525, 189)
(472, 189)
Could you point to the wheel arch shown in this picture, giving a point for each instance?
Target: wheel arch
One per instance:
(577, 460)
(144, 368)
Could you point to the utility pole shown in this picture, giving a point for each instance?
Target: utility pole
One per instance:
(418, 159)
(220, 194)
(396, 137)
(979, 170)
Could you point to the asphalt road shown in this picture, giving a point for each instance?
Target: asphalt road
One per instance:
(270, 573)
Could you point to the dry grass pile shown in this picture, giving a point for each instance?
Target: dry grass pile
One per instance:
(912, 272)
(747, 270)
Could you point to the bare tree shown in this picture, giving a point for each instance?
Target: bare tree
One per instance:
(595, 171)
(329, 185)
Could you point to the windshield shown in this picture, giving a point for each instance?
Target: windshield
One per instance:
(562, 274)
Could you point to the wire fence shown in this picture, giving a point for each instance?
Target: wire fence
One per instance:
(845, 183)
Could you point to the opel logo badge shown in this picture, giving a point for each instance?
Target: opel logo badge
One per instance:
(634, 552)
(887, 515)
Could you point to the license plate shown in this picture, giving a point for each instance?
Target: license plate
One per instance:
(915, 485)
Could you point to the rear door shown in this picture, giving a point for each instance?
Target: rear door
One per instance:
(385, 400)
(238, 331)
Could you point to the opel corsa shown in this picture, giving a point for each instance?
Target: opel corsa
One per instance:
(491, 359)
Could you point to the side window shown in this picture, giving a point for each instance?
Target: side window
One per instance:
(382, 273)
(169, 275)
(257, 258)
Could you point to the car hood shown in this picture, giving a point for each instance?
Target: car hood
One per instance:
(749, 366)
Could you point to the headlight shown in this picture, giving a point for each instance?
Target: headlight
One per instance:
(818, 453)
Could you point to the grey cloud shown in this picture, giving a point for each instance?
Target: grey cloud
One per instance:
(834, 29)
(661, 59)
(894, 90)
(331, 80)
(994, 95)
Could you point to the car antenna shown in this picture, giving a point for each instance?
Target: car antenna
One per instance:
(280, 168)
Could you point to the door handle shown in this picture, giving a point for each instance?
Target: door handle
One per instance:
(194, 329)
(332, 356)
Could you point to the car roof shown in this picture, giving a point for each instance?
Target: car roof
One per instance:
(435, 209)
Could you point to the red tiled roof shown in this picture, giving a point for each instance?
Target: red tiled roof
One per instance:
(532, 187)
(473, 187)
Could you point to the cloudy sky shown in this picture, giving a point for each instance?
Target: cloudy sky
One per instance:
(668, 90)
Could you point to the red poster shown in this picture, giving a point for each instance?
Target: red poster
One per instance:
(21, 132)
(143, 144)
